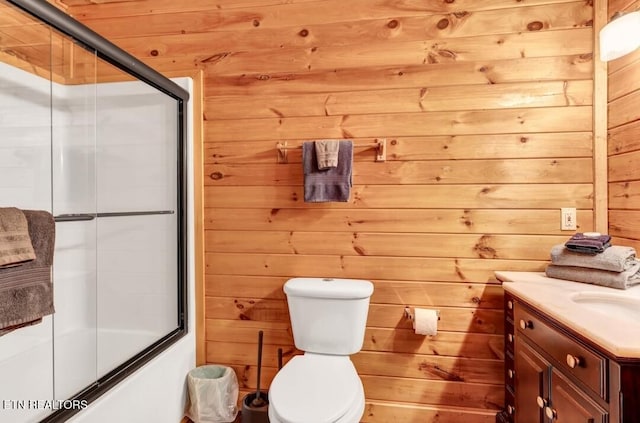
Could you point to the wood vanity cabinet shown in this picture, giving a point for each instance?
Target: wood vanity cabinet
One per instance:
(544, 394)
(554, 375)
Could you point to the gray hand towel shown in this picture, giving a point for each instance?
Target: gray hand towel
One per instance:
(15, 244)
(616, 258)
(26, 291)
(333, 184)
(619, 280)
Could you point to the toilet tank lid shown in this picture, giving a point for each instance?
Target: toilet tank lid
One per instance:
(328, 288)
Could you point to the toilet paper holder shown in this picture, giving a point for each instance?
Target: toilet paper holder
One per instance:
(410, 314)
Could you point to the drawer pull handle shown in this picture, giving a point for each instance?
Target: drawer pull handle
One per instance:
(511, 373)
(542, 403)
(510, 337)
(551, 413)
(511, 409)
(573, 361)
(510, 305)
(526, 324)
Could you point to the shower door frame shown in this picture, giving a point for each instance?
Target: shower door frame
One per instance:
(117, 57)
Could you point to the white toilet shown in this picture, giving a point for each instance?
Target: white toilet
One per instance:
(328, 319)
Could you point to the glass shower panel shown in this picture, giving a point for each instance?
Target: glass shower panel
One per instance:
(104, 153)
(137, 200)
(25, 144)
(73, 156)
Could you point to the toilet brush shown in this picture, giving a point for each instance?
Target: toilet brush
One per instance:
(258, 401)
(255, 406)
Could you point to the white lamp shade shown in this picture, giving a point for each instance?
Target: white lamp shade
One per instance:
(620, 36)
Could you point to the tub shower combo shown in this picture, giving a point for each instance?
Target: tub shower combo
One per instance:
(96, 138)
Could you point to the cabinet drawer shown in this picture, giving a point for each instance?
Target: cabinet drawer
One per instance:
(575, 359)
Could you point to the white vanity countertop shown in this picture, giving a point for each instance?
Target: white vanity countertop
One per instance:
(619, 335)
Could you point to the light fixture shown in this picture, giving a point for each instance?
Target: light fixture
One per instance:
(620, 36)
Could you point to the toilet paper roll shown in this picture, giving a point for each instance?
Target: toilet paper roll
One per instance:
(425, 321)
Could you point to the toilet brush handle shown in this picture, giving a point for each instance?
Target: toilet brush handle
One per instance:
(260, 335)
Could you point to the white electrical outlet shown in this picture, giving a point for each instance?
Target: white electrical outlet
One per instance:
(568, 219)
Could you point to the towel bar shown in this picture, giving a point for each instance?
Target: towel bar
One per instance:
(380, 145)
(75, 217)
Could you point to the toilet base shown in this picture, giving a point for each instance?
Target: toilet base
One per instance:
(352, 416)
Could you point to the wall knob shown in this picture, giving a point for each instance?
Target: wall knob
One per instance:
(573, 361)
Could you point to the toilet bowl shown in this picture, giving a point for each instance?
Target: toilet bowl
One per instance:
(316, 388)
(328, 321)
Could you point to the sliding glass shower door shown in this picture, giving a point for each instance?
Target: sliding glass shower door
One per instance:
(26, 112)
(102, 149)
(137, 219)
(74, 192)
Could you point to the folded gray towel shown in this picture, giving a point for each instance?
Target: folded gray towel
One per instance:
(327, 153)
(26, 291)
(333, 184)
(619, 280)
(616, 258)
(15, 244)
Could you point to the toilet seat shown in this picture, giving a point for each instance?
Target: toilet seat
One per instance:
(316, 388)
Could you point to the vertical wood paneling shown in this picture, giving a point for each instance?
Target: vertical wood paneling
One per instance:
(487, 106)
(624, 149)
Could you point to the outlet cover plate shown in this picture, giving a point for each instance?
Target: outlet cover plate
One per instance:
(568, 219)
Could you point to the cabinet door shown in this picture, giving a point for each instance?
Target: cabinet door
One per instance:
(532, 381)
(570, 405)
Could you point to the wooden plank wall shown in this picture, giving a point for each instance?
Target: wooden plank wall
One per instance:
(624, 144)
(487, 109)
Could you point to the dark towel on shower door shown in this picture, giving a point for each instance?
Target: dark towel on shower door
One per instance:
(333, 184)
(26, 291)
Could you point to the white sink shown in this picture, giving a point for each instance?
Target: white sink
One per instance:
(618, 306)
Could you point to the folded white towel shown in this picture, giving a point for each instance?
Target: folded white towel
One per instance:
(327, 153)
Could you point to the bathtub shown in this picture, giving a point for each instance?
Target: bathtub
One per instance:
(28, 354)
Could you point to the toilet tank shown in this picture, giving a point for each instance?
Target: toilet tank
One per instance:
(328, 316)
